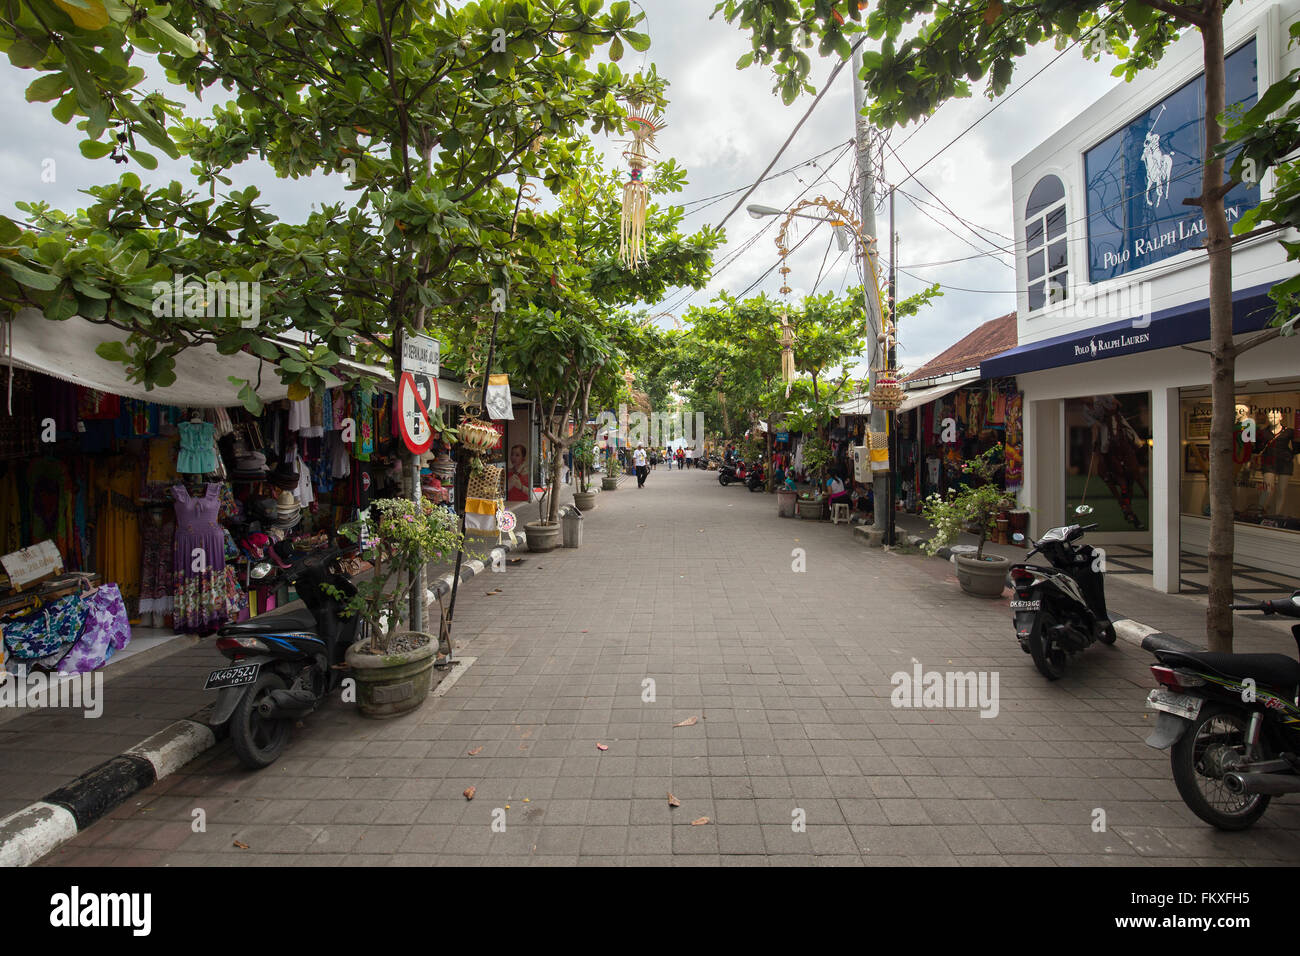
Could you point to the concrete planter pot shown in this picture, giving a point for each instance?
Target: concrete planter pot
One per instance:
(585, 500)
(785, 499)
(812, 509)
(542, 537)
(983, 578)
(608, 483)
(389, 685)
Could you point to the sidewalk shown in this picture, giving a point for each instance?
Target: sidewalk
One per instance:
(44, 749)
(746, 664)
(1182, 615)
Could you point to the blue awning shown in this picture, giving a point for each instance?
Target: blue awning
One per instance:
(1252, 310)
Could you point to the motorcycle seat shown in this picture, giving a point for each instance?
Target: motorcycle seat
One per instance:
(1275, 670)
(275, 622)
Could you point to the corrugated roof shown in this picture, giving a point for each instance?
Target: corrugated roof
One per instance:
(994, 336)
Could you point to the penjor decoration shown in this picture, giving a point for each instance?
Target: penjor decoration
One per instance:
(644, 121)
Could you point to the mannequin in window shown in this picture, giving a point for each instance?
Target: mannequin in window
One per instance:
(1277, 447)
(1241, 449)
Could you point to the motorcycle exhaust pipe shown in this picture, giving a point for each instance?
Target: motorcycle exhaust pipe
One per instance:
(283, 705)
(1269, 784)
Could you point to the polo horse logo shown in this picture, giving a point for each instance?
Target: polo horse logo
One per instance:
(1159, 164)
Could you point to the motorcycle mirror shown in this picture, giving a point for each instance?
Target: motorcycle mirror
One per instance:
(1018, 538)
(260, 570)
(1083, 510)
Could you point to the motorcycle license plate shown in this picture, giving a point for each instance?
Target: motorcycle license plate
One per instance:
(1180, 705)
(232, 676)
(1026, 605)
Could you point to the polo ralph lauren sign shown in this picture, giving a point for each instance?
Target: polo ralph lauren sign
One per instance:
(1139, 176)
(1106, 346)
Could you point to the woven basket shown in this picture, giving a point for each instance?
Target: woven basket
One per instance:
(485, 484)
(887, 393)
(478, 436)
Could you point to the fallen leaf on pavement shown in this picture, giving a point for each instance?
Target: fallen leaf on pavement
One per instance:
(688, 722)
(469, 792)
(673, 801)
(476, 751)
(601, 747)
(242, 846)
(700, 822)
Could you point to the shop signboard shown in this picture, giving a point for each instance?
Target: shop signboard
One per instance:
(32, 564)
(1138, 177)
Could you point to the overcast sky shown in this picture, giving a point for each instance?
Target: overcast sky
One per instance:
(724, 126)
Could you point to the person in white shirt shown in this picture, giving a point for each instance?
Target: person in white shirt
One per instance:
(639, 460)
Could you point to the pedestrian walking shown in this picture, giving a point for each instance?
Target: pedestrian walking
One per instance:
(639, 460)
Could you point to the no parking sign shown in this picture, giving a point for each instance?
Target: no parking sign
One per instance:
(417, 399)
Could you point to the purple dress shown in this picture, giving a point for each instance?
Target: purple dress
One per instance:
(202, 603)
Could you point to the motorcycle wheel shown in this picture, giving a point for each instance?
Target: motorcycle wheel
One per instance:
(722, 480)
(1207, 796)
(1049, 661)
(258, 741)
(1107, 635)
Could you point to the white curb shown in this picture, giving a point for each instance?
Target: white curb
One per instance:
(174, 746)
(34, 831)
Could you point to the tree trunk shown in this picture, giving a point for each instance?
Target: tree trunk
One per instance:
(553, 509)
(1223, 359)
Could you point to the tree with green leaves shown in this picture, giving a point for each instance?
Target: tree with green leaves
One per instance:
(928, 52)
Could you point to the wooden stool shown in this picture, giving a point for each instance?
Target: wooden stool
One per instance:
(839, 512)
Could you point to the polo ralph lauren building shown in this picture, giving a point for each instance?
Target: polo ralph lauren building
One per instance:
(1113, 321)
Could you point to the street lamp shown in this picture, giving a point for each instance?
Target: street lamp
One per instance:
(885, 333)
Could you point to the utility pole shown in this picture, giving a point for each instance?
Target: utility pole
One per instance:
(867, 216)
(893, 363)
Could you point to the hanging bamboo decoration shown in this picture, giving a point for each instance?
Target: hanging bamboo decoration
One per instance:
(645, 122)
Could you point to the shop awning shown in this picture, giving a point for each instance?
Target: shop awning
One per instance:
(1252, 310)
(66, 350)
(861, 405)
(923, 396)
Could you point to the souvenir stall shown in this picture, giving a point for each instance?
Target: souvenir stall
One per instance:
(116, 512)
(937, 437)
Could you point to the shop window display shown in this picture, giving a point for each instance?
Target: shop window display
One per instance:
(1266, 446)
(1108, 459)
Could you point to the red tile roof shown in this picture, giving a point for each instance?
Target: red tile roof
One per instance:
(994, 336)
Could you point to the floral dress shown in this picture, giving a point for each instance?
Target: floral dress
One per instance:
(201, 588)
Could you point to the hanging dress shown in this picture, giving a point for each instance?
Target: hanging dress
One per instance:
(156, 570)
(117, 529)
(198, 454)
(199, 590)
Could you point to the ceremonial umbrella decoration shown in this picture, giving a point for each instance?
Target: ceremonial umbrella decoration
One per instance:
(839, 218)
(644, 121)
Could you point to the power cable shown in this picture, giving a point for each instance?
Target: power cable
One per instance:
(830, 81)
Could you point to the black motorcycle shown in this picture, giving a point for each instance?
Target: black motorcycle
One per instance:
(754, 478)
(1060, 610)
(282, 663)
(1230, 721)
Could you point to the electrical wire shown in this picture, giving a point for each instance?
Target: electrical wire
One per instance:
(830, 81)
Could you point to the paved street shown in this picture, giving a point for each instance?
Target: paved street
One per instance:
(682, 603)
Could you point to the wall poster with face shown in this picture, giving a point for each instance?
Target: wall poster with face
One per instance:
(519, 463)
(1108, 460)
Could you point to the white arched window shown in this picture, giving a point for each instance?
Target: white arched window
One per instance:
(1045, 253)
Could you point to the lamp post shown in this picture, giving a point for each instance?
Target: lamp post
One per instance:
(885, 335)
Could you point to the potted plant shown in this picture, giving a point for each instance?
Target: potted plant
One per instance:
(816, 458)
(977, 508)
(584, 459)
(393, 666)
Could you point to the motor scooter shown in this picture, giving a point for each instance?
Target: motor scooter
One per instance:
(1231, 722)
(283, 662)
(1060, 610)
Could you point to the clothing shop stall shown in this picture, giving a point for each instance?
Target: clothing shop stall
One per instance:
(126, 511)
